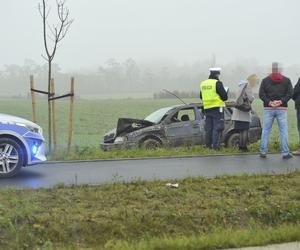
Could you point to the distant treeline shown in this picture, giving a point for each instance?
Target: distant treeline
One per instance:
(183, 94)
(130, 77)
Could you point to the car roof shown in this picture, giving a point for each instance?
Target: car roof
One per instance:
(229, 104)
(188, 105)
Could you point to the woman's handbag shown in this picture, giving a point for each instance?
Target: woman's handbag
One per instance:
(243, 103)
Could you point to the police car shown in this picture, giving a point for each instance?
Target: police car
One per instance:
(21, 144)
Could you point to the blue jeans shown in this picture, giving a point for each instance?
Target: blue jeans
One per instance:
(281, 118)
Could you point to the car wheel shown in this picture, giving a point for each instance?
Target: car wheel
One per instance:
(151, 143)
(233, 140)
(11, 157)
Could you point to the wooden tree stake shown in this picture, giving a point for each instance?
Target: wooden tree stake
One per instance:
(70, 128)
(53, 117)
(33, 99)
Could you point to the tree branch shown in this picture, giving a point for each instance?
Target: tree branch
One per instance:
(44, 57)
(59, 31)
(44, 28)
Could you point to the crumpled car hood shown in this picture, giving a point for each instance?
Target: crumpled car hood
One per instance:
(126, 126)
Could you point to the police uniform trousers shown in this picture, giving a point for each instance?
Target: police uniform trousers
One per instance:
(214, 126)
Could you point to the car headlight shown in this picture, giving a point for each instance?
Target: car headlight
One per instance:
(120, 139)
(34, 149)
(31, 128)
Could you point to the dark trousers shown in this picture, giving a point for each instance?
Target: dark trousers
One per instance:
(298, 122)
(214, 125)
(243, 139)
(243, 128)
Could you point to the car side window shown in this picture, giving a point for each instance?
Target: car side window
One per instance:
(184, 115)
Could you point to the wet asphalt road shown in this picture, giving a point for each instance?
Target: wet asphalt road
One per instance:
(98, 172)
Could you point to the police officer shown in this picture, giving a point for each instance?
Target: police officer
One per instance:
(213, 95)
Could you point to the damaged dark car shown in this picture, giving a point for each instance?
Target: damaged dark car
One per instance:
(172, 127)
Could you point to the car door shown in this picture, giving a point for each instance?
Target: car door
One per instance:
(229, 124)
(182, 127)
(198, 127)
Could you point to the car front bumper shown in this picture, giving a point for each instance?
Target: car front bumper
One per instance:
(35, 148)
(39, 156)
(117, 145)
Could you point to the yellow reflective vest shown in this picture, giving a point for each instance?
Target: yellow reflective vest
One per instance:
(210, 97)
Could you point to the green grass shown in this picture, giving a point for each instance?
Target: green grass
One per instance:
(220, 239)
(201, 214)
(93, 118)
(89, 153)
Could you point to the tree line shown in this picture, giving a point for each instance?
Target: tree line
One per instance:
(129, 77)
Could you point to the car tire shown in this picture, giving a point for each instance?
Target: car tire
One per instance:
(11, 157)
(151, 143)
(233, 140)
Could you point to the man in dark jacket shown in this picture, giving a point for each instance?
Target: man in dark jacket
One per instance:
(213, 96)
(275, 92)
(296, 98)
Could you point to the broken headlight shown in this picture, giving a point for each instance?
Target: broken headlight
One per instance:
(120, 139)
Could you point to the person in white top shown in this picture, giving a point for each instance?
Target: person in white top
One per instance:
(241, 118)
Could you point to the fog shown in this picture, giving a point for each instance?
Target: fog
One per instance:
(118, 46)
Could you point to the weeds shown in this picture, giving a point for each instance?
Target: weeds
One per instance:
(93, 118)
(91, 153)
(208, 213)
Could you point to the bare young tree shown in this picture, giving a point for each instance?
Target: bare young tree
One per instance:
(53, 35)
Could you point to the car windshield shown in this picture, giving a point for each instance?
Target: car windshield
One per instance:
(158, 115)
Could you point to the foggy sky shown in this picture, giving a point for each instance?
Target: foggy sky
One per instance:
(151, 30)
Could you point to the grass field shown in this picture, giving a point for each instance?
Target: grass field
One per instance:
(95, 117)
(201, 214)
